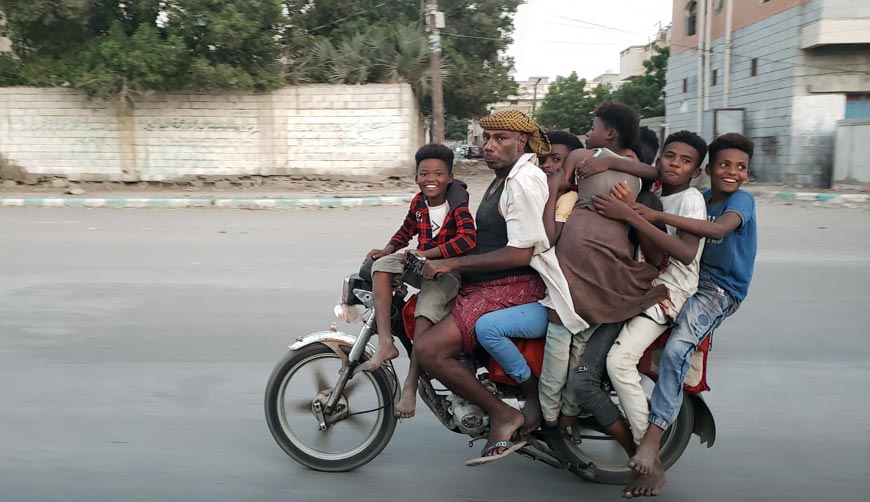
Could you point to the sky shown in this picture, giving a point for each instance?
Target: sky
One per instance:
(555, 37)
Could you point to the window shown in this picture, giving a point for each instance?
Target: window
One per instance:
(719, 5)
(685, 85)
(753, 71)
(691, 18)
(713, 77)
(858, 106)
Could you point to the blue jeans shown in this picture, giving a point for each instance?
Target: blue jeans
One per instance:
(495, 329)
(701, 314)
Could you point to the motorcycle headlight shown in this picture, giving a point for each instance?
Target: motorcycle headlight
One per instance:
(351, 282)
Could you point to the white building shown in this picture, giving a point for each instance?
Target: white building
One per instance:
(631, 58)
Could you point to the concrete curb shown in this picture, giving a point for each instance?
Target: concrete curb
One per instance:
(188, 203)
(858, 198)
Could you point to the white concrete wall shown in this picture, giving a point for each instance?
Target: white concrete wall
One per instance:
(318, 129)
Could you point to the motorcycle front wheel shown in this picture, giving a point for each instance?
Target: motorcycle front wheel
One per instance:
(355, 432)
(597, 457)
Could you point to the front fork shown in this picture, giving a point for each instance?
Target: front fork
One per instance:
(351, 365)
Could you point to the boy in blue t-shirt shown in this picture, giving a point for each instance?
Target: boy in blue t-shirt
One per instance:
(726, 270)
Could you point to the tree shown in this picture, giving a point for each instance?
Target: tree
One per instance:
(374, 55)
(457, 128)
(475, 71)
(111, 48)
(646, 93)
(568, 105)
(476, 37)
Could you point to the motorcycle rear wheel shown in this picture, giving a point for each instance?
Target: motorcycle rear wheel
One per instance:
(366, 408)
(604, 459)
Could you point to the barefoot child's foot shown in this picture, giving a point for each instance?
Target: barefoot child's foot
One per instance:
(386, 351)
(645, 459)
(645, 485)
(532, 407)
(407, 405)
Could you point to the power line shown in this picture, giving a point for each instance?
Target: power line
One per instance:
(793, 65)
(596, 25)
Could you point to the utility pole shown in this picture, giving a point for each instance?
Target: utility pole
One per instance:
(434, 23)
(535, 94)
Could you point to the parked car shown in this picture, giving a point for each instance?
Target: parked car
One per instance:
(474, 152)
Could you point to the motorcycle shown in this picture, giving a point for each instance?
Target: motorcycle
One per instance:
(344, 418)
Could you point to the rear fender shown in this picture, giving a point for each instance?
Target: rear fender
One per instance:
(704, 426)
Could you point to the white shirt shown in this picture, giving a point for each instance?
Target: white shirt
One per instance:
(522, 205)
(437, 215)
(680, 279)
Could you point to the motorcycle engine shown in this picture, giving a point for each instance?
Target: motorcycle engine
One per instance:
(469, 418)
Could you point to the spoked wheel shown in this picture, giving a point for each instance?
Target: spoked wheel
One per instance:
(598, 457)
(352, 435)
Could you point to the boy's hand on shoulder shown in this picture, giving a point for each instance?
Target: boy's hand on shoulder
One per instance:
(624, 193)
(613, 208)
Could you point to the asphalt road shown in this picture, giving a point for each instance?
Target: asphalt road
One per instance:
(135, 346)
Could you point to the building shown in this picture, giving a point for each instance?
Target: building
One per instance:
(631, 58)
(787, 73)
(607, 79)
(529, 95)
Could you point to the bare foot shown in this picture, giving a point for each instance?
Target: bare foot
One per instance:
(503, 426)
(407, 405)
(645, 485)
(384, 353)
(532, 407)
(566, 421)
(531, 416)
(645, 459)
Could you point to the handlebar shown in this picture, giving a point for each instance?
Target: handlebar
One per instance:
(414, 265)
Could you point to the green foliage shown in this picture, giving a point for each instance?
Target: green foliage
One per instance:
(456, 129)
(107, 47)
(119, 49)
(646, 93)
(568, 105)
(474, 70)
(375, 55)
(10, 71)
(475, 40)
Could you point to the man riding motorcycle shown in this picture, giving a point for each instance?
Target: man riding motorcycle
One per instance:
(498, 273)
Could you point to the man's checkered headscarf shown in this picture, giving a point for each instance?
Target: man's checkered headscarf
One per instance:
(515, 120)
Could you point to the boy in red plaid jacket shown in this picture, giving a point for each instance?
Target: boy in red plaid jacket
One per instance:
(444, 228)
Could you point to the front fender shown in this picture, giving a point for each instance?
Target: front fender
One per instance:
(332, 339)
(704, 426)
(336, 340)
